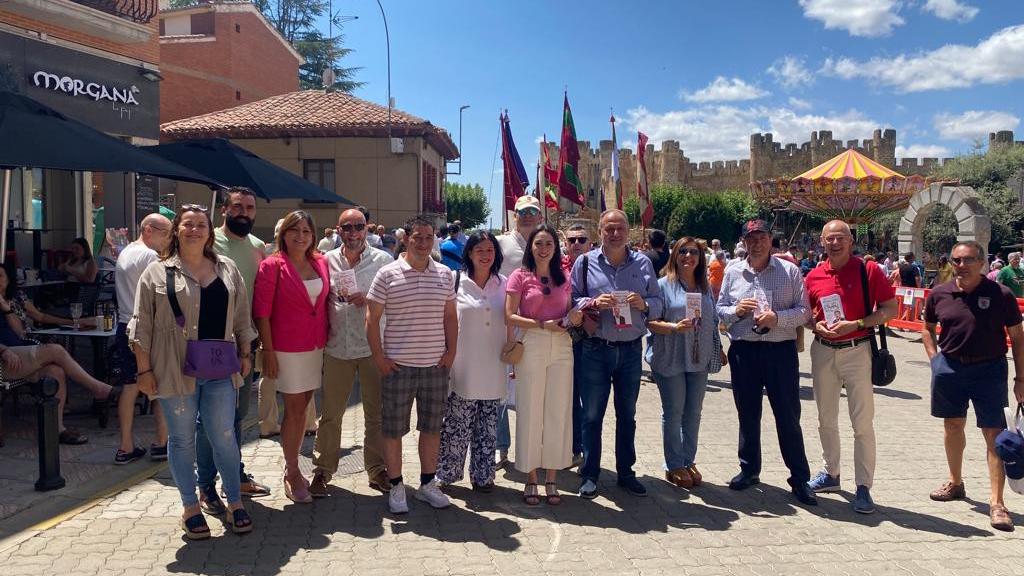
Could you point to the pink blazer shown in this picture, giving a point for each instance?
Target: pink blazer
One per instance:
(279, 294)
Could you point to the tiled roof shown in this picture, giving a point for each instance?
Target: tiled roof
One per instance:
(309, 113)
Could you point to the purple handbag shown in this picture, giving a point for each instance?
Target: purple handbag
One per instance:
(204, 359)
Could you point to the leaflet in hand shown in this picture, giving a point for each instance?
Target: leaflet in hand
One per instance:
(347, 282)
(693, 305)
(621, 311)
(764, 300)
(832, 309)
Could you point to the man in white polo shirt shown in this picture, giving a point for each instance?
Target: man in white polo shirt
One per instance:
(416, 296)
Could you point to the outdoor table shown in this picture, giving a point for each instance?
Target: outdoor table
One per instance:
(99, 350)
(40, 283)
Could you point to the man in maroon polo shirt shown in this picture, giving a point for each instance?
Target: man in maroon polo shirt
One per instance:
(969, 364)
(841, 356)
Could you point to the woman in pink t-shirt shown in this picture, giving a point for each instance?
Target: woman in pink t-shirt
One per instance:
(538, 302)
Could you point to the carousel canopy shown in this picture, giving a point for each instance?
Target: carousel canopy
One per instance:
(850, 186)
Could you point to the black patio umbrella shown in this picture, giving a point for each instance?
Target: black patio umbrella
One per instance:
(33, 135)
(236, 166)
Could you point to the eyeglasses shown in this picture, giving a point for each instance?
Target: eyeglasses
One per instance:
(577, 240)
(193, 208)
(351, 227)
(529, 212)
(695, 252)
(546, 290)
(964, 260)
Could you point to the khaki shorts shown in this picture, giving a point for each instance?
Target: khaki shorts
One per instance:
(30, 367)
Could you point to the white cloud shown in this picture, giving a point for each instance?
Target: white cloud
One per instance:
(923, 151)
(951, 10)
(997, 59)
(724, 89)
(791, 72)
(973, 124)
(869, 18)
(799, 104)
(723, 132)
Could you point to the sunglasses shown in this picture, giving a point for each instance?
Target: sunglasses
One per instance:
(351, 227)
(546, 290)
(695, 252)
(529, 212)
(964, 260)
(577, 240)
(193, 208)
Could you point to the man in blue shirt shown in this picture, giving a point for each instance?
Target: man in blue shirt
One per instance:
(611, 356)
(451, 249)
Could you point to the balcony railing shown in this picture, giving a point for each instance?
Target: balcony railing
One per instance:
(140, 11)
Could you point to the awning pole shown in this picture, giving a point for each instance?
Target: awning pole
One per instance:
(4, 212)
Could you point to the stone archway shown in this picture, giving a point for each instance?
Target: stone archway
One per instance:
(973, 222)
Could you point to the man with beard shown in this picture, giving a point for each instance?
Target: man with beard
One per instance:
(233, 240)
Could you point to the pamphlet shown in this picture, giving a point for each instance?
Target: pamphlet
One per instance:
(693, 305)
(347, 282)
(764, 299)
(832, 309)
(621, 311)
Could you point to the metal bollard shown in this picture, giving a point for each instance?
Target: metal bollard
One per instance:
(48, 436)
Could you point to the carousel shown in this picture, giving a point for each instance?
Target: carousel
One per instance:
(849, 187)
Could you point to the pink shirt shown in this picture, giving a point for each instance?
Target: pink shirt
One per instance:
(296, 324)
(533, 303)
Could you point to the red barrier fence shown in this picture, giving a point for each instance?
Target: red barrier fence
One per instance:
(910, 314)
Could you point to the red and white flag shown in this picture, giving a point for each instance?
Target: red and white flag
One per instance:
(646, 210)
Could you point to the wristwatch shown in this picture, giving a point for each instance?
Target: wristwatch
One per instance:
(860, 324)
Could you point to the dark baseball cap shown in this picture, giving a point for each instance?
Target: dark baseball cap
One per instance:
(1009, 446)
(755, 226)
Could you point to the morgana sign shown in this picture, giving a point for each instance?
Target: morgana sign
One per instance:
(93, 90)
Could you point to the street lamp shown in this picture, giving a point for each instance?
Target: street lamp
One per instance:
(387, 40)
(459, 173)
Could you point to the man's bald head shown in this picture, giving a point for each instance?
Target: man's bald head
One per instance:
(837, 240)
(155, 231)
(836, 226)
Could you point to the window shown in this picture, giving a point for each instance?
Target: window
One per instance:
(431, 201)
(321, 173)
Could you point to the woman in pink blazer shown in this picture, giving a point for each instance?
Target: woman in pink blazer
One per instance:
(290, 311)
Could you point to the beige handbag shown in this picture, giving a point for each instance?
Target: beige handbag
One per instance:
(512, 353)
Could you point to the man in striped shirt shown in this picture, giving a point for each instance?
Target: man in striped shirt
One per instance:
(416, 297)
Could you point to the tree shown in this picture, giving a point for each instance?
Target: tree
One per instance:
(683, 212)
(296, 20)
(467, 203)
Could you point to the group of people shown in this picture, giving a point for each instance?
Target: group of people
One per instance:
(517, 323)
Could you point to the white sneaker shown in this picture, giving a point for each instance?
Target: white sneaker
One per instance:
(431, 494)
(396, 500)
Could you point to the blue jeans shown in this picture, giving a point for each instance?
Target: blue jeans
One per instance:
(503, 436)
(682, 398)
(577, 400)
(205, 466)
(607, 369)
(214, 401)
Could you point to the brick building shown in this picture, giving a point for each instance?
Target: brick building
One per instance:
(339, 142)
(98, 62)
(218, 55)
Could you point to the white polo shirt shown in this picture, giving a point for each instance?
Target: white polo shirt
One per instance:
(413, 310)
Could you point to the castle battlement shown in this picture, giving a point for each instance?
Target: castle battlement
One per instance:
(1002, 139)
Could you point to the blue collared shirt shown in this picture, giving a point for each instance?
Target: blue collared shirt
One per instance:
(634, 274)
(788, 299)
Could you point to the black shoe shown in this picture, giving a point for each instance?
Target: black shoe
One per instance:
(157, 453)
(743, 481)
(803, 493)
(122, 457)
(588, 489)
(633, 486)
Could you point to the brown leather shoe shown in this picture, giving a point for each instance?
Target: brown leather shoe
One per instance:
(695, 474)
(318, 485)
(680, 477)
(948, 492)
(380, 482)
(1000, 518)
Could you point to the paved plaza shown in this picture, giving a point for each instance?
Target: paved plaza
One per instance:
(709, 530)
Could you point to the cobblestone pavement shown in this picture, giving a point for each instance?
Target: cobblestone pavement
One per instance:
(710, 530)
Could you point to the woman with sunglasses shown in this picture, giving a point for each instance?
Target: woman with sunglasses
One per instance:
(193, 295)
(683, 349)
(293, 284)
(538, 302)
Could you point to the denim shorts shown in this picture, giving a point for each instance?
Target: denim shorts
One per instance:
(954, 384)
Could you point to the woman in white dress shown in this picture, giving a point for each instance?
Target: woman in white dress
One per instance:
(290, 310)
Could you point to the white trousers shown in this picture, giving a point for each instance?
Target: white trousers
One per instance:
(544, 401)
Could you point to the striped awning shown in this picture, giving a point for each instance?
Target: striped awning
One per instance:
(850, 164)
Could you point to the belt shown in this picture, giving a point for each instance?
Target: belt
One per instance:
(968, 359)
(597, 340)
(842, 343)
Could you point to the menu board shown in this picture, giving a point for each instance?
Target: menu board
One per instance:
(147, 195)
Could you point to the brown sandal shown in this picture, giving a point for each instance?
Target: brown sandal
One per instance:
(551, 494)
(530, 495)
(1000, 518)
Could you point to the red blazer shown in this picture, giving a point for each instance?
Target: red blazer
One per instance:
(279, 294)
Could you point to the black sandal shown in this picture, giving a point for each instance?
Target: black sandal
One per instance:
(531, 497)
(196, 528)
(239, 521)
(72, 437)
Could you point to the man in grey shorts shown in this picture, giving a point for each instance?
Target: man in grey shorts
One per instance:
(416, 296)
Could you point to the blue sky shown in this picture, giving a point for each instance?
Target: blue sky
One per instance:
(943, 73)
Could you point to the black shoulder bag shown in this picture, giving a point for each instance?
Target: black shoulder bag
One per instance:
(883, 364)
